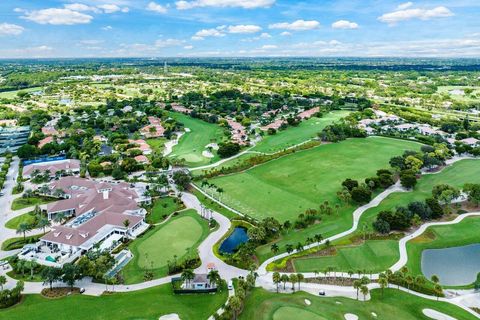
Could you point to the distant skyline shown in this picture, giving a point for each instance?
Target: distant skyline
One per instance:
(239, 28)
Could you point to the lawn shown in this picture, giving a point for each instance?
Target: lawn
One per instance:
(288, 186)
(192, 144)
(19, 242)
(22, 203)
(460, 234)
(179, 237)
(145, 304)
(465, 171)
(398, 305)
(373, 256)
(13, 94)
(163, 207)
(458, 174)
(157, 144)
(28, 218)
(307, 129)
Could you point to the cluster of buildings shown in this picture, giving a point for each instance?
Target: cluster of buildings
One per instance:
(154, 129)
(239, 133)
(100, 215)
(277, 123)
(12, 138)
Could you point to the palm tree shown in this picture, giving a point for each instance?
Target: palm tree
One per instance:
(43, 223)
(274, 248)
(382, 281)
(59, 217)
(438, 290)
(364, 290)
(356, 285)
(3, 281)
(409, 280)
(293, 280)
(30, 264)
(420, 280)
(235, 303)
(23, 228)
(435, 279)
(300, 278)
(284, 278)
(276, 279)
(187, 276)
(126, 223)
(289, 248)
(214, 277)
(318, 238)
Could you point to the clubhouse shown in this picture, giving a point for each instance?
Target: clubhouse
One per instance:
(101, 214)
(67, 166)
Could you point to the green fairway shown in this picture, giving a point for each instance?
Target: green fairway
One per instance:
(459, 173)
(178, 237)
(145, 304)
(286, 187)
(157, 144)
(307, 129)
(13, 94)
(27, 218)
(373, 256)
(193, 143)
(163, 207)
(398, 305)
(463, 233)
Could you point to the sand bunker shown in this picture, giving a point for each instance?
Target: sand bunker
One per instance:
(437, 315)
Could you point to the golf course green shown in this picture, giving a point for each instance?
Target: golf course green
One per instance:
(193, 142)
(144, 304)
(177, 239)
(306, 130)
(394, 304)
(288, 186)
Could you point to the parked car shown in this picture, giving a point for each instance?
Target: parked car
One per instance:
(82, 290)
(230, 285)
(321, 293)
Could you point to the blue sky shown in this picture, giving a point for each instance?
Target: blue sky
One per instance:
(137, 28)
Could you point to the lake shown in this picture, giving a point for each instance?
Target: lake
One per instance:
(454, 266)
(238, 236)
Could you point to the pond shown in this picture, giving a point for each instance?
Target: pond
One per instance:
(454, 266)
(236, 238)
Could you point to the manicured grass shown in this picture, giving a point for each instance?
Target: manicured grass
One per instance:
(457, 175)
(398, 305)
(157, 144)
(288, 186)
(460, 234)
(192, 144)
(13, 94)
(465, 171)
(163, 207)
(19, 242)
(180, 237)
(306, 130)
(27, 218)
(372, 256)
(213, 205)
(145, 304)
(22, 203)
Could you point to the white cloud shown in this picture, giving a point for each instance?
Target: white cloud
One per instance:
(285, 34)
(246, 4)
(265, 35)
(202, 34)
(107, 28)
(344, 24)
(269, 47)
(168, 43)
(81, 7)
(153, 6)
(189, 47)
(405, 5)
(298, 25)
(394, 17)
(8, 29)
(57, 16)
(244, 28)
(197, 38)
(112, 8)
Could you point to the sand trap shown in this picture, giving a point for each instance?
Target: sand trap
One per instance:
(171, 316)
(207, 154)
(374, 314)
(350, 316)
(214, 146)
(187, 129)
(308, 302)
(437, 315)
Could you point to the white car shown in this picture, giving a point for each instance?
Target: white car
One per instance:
(230, 285)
